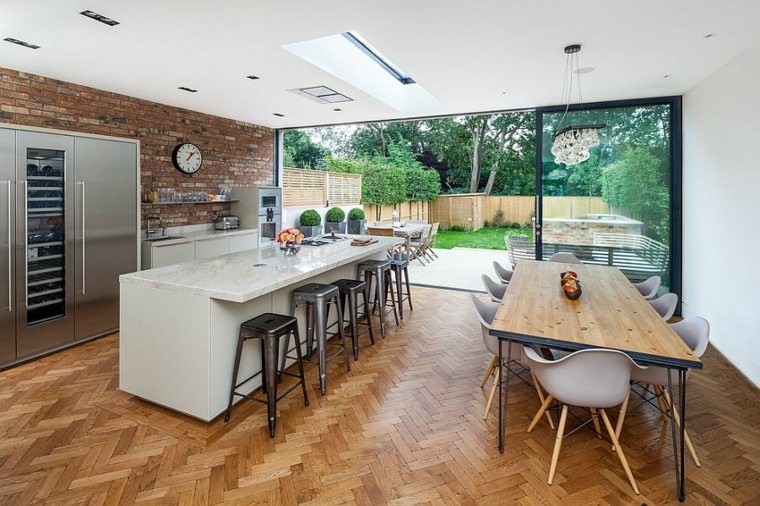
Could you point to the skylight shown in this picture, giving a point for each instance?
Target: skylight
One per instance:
(351, 58)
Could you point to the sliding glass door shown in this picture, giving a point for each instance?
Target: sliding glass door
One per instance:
(621, 206)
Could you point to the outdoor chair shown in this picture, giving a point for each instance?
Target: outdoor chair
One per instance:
(433, 235)
(418, 248)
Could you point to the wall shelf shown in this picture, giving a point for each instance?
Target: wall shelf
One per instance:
(188, 202)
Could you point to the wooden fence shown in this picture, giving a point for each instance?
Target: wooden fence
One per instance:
(411, 210)
(302, 188)
(474, 209)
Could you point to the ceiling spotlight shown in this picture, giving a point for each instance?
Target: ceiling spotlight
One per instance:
(279, 115)
(666, 76)
(99, 17)
(21, 43)
(337, 110)
(253, 77)
(185, 88)
(710, 35)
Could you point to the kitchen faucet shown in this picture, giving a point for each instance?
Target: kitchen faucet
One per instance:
(149, 233)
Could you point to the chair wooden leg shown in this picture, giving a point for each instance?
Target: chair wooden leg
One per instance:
(558, 443)
(595, 419)
(494, 388)
(540, 412)
(621, 417)
(540, 393)
(686, 437)
(619, 451)
(664, 410)
(489, 371)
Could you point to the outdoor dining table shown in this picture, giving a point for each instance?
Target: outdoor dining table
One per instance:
(610, 313)
(407, 231)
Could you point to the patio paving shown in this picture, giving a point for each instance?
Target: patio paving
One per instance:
(457, 268)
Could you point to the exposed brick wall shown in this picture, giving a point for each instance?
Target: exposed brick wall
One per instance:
(234, 153)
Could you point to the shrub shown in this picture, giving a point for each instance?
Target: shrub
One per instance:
(515, 225)
(486, 224)
(498, 219)
(335, 215)
(310, 218)
(356, 214)
(456, 228)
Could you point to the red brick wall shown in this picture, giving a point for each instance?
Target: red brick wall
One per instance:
(234, 153)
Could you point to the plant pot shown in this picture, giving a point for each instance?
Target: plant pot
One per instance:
(356, 227)
(311, 231)
(340, 227)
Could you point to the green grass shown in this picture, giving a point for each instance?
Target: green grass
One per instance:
(485, 238)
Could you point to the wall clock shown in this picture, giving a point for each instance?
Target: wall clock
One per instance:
(187, 158)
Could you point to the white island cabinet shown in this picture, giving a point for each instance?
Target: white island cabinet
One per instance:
(179, 324)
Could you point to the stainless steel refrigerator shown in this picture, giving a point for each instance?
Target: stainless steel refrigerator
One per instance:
(68, 228)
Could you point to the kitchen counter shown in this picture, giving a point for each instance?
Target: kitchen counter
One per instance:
(243, 276)
(179, 324)
(184, 237)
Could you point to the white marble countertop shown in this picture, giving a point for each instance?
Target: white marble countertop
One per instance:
(182, 237)
(240, 277)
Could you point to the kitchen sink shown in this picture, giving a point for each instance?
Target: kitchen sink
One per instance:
(163, 238)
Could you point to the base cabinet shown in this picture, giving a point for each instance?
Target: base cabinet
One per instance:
(161, 255)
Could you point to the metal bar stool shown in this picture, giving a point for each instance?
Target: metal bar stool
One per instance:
(317, 298)
(349, 290)
(380, 270)
(268, 328)
(399, 266)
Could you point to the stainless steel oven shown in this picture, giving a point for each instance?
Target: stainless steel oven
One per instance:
(269, 201)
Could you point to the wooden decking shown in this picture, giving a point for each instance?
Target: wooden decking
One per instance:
(403, 427)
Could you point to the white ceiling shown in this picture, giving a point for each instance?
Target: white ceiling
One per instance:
(464, 53)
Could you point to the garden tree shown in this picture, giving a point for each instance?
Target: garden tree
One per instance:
(383, 184)
(374, 139)
(636, 184)
(299, 151)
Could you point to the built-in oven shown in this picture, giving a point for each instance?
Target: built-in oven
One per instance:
(269, 200)
(269, 224)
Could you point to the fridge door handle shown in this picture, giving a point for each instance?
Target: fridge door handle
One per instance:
(84, 243)
(10, 252)
(26, 243)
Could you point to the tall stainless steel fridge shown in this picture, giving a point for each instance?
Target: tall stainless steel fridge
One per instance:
(68, 227)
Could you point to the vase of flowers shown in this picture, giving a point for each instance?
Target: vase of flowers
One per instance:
(290, 241)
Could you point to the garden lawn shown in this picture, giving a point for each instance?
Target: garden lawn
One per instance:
(485, 238)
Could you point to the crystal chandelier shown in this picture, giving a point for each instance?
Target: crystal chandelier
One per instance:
(571, 144)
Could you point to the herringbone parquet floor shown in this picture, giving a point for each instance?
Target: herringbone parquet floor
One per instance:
(404, 427)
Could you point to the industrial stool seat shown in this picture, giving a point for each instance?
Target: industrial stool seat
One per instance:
(399, 266)
(349, 290)
(317, 297)
(268, 328)
(381, 271)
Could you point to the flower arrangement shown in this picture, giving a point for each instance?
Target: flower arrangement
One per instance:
(290, 240)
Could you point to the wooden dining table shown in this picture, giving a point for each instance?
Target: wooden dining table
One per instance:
(611, 313)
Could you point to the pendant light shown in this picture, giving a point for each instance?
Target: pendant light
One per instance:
(571, 144)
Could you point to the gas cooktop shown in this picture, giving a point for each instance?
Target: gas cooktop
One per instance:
(322, 240)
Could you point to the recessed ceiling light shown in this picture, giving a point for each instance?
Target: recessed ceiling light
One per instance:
(584, 70)
(279, 115)
(710, 35)
(503, 92)
(21, 43)
(253, 77)
(185, 88)
(666, 76)
(99, 17)
(337, 110)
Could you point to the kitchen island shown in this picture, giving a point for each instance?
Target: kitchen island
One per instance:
(179, 324)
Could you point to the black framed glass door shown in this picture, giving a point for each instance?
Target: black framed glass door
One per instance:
(621, 206)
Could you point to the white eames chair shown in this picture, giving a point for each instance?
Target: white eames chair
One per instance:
(494, 290)
(596, 377)
(504, 274)
(665, 305)
(648, 288)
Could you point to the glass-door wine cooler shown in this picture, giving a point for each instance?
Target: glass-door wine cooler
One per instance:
(46, 229)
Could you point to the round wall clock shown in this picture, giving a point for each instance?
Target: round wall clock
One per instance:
(187, 158)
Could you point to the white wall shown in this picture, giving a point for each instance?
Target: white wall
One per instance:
(721, 214)
(290, 215)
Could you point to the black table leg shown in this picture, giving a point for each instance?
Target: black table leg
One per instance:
(679, 439)
(501, 406)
